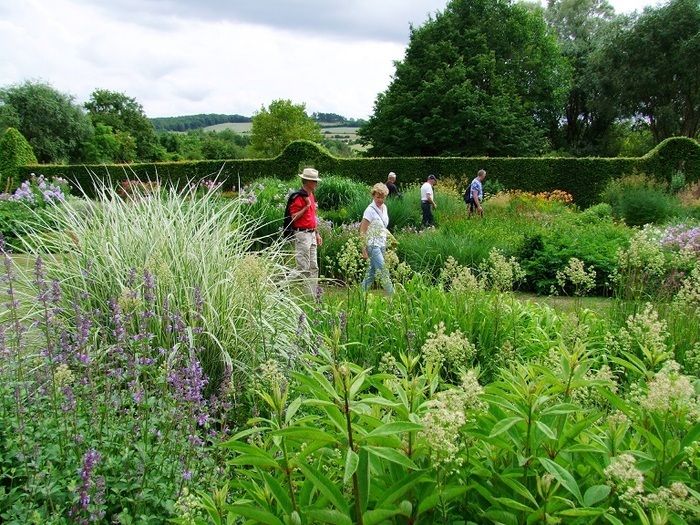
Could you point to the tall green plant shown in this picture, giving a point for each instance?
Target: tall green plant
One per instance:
(198, 251)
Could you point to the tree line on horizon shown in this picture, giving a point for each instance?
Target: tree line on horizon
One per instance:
(481, 77)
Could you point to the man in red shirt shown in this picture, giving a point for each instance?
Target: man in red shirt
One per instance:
(304, 222)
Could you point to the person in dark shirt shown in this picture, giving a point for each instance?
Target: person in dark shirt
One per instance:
(391, 185)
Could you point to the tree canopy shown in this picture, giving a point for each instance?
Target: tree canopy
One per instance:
(123, 114)
(281, 123)
(485, 77)
(651, 67)
(52, 123)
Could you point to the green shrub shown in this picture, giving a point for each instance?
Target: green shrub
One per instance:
(335, 192)
(15, 151)
(597, 212)
(639, 200)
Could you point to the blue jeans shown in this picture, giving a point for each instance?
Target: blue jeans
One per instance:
(377, 270)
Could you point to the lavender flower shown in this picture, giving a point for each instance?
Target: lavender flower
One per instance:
(90, 459)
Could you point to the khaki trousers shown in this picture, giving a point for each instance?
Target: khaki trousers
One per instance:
(306, 255)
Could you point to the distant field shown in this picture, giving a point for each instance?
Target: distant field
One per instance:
(238, 127)
(327, 129)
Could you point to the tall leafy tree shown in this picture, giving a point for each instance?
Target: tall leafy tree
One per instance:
(51, 122)
(278, 125)
(123, 114)
(485, 77)
(651, 65)
(589, 115)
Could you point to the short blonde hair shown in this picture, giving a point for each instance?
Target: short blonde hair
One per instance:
(380, 187)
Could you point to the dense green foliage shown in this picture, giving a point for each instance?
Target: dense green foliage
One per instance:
(483, 77)
(54, 125)
(652, 66)
(589, 117)
(204, 145)
(122, 114)
(14, 151)
(188, 122)
(278, 125)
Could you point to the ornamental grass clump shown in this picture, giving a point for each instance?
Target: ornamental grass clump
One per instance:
(198, 250)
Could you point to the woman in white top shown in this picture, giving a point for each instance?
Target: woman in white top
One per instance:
(373, 228)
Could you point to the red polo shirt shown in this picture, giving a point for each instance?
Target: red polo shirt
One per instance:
(308, 219)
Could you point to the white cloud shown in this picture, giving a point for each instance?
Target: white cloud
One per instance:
(180, 57)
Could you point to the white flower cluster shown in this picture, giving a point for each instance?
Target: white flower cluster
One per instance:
(671, 391)
(500, 273)
(447, 413)
(270, 375)
(63, 376)
(603, 378)
(688, 297)
(575, 273)
(187, 507)
(399, 271)
(626, 479)
(676, 498)
(453, 350)
(645, 334)
(459, 279)
(388, 364)
(350, 262)
(643, 255)
(692, 360)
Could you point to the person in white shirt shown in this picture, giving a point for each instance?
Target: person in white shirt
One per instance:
(373, 230)
(427, 201)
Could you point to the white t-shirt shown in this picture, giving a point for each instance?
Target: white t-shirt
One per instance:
(425, 190)
(378, 219)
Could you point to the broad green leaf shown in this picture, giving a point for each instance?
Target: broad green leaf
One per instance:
(582, 511)
(292, 410)
(391, 454)
(306, 434)
(395, 427)
(351, 462)
(357, 384)
(512, 504)
(595, 494)
(256, 461)
(502, 516)
(325, 486)
(504, 424)
(444, 496)
(328, 516)
(374, 517)
(380, 401)
(518, 488)
(612, 519)
(559, 409)
(563, 476)
(546, 430)
(279, 493)
(399, 488)
(257, 514)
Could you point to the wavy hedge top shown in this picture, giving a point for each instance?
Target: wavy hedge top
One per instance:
(584, 178)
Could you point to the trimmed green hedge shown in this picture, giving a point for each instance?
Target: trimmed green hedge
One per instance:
(584, 178)
(15, 152)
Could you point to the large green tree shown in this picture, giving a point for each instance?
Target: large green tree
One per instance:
(278, 125)
(484, 77)
(652, 65)
(589, 115)
(123, 114)
(53, 124)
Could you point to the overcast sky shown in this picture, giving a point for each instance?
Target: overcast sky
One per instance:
(181, 57)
